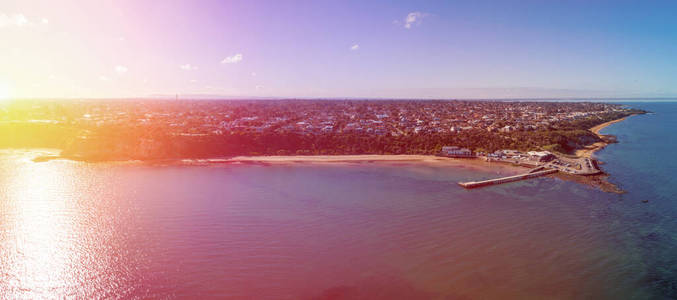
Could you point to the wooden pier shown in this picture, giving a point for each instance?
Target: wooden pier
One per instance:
(536, 169)
(532, 174)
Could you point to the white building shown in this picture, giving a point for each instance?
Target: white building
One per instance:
(454, 151)
(540, 155)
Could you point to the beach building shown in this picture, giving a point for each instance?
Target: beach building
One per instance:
(541, 156)
(510, 153)
(455, 151)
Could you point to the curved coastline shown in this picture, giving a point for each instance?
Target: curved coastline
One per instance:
(598, 181)
(589, 151)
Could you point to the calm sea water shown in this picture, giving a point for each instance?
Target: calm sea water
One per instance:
(365, 231)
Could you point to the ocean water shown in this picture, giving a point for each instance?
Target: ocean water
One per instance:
(343, 231)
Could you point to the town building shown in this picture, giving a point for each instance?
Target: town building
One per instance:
(455, 151)
(540, 156)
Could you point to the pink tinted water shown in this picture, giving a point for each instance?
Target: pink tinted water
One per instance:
(366, 231)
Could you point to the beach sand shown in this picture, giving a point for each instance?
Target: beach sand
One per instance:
(590, 150)
(505, 169)
(474, 163)
(599, 181)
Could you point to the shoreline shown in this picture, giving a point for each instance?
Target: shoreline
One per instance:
(589, 151)
(598, 181)
(303, 159)
(599, 127)
(472, 163)
(503, 168)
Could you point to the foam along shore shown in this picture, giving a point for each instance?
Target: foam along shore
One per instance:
(590, 150)
(359, 158)
(366, 158)
(503, 168)
(339, 158)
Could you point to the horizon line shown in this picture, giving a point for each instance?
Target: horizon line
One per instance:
(269, 98)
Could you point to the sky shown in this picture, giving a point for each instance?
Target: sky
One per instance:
(337, 49)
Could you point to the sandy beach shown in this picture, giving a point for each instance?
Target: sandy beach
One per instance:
(590, 150)
(344, 158)
(473, 163)
(500, 168)
(599, 127)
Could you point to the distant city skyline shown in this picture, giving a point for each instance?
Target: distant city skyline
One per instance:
(322, 49)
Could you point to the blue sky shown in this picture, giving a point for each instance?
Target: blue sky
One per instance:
(376, 49)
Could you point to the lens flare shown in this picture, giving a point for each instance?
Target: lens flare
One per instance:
(4, 91)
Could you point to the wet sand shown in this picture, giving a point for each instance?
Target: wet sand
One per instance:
(474, 163)
(599, 181)
(590, 150)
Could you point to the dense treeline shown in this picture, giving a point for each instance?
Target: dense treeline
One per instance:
(154, 143)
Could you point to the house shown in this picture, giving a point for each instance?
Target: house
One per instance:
(454, 151)
(511, 153)
(507, 128)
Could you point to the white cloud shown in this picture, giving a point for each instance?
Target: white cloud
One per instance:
(103, 78)
(414, 18)
(188, 67)
(121, 69)
(20, 20)
(259, 87)
(233, 59)
(354, 47)
(253, 74)
(13, 20)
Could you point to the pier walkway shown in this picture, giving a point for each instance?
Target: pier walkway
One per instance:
(534, 170)
(531, 174)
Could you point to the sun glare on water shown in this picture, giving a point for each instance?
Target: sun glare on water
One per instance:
(44, 248)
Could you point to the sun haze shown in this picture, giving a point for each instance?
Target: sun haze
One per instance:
(380, 49)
